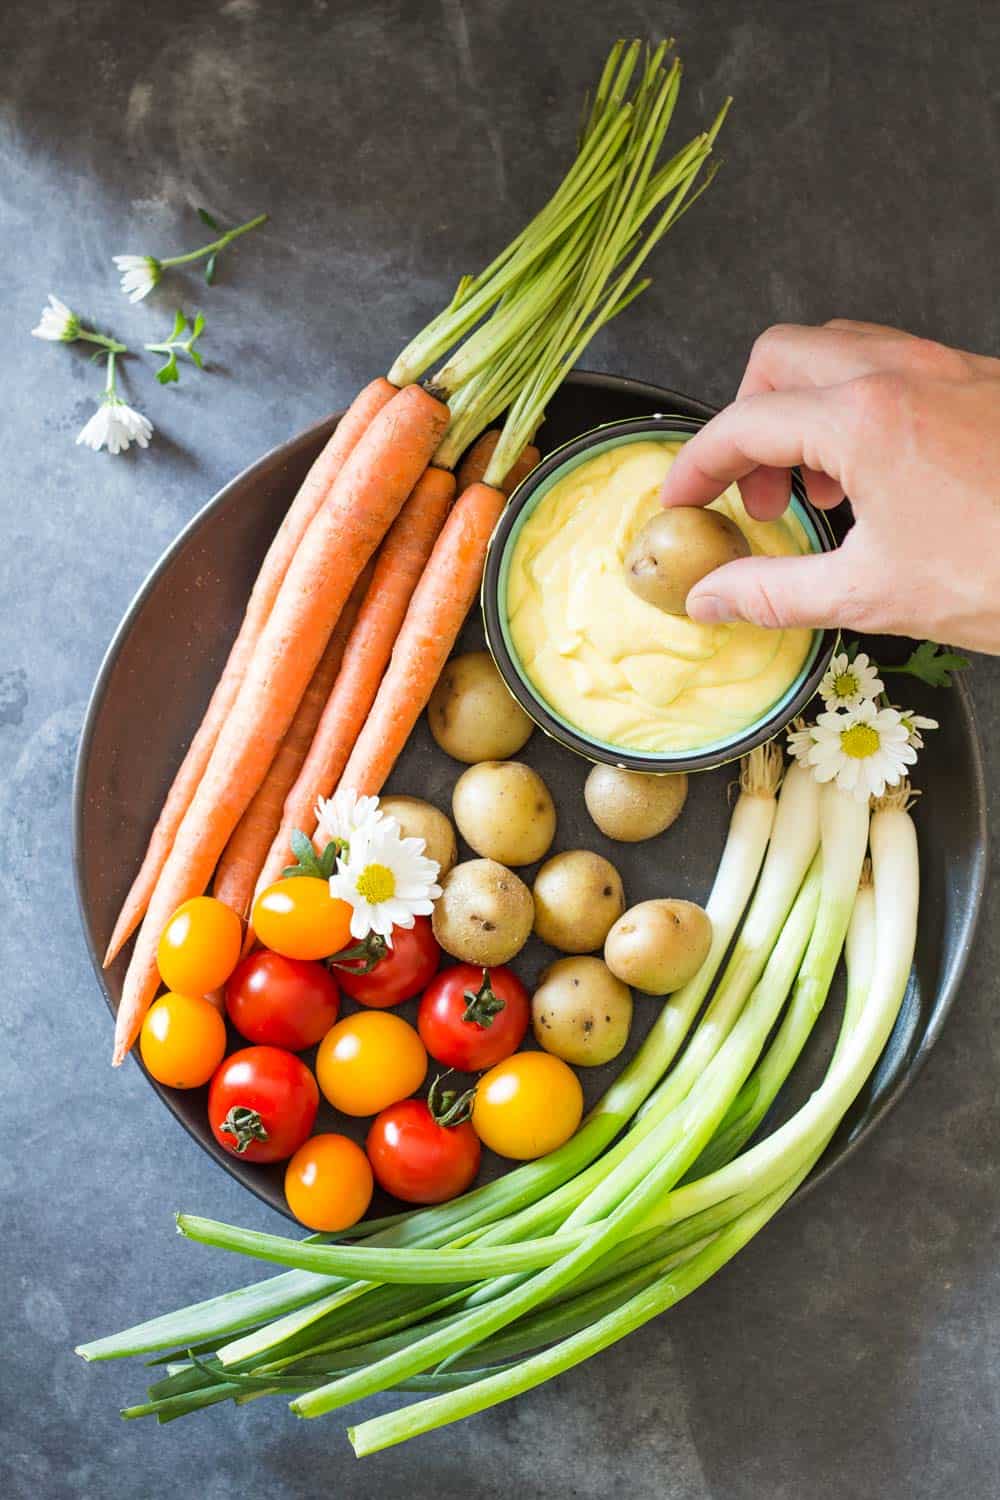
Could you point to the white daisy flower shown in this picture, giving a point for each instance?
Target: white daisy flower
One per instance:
(58, 323)
(115, 426)
(800, 741)
(847, 684)
(863, 749)
(140, 274)
(388, 880)
(914, 724)
(344, 813)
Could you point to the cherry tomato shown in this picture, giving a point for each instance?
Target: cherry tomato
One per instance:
(527, 1105)
(262, 1103)
(328, 1183)
(419, 1160)
(299, 918)
(370, 1061)
(402, 971)
(200, 946)
(183, 1040)
(286, 1002)
(471, 1018)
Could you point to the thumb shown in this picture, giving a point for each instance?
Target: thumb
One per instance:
(778, 592)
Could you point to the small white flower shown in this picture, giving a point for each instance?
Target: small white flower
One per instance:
(847, 684)
(140, 274)
(863, 749)
(340, 816)
(58, 323)
(800, 741)
(115, 426)
(388, 880)
(914, 723)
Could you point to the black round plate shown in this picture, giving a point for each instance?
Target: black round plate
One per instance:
(159, 672)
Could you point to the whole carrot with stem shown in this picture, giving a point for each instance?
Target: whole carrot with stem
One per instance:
(313, 491)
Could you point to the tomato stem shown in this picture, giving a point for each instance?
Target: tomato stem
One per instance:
(484, 1004)
(361, 957)
(245, 1125)
(448, 1107)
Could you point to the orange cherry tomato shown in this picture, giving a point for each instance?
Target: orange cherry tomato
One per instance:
(369, 1061)
(328, 1183)
(298, 918)
(183, 1040)
(200, 946)
(527, 1105)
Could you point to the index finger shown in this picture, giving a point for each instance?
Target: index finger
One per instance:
(776, 429)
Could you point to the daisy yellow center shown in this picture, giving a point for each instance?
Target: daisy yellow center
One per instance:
(845, 685)
(860, 741)
(376, 883)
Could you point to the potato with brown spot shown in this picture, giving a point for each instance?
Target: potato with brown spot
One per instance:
(630, 805)
(471, 713)
(504, 811)
(676, 549)
(422, 820)
(581, 1012)
(658, 946)
(484, 913)
(578, 898)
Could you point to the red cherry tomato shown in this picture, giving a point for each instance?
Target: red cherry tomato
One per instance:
(471, 1018)
(283, 1002)
(402, 971)
(262, 1103)
(418, 1160)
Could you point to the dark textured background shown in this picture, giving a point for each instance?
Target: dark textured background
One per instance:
(852, 1351)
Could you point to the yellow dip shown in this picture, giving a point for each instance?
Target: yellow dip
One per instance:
(606, 661)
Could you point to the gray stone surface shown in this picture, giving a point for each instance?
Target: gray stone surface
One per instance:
(852, 1350)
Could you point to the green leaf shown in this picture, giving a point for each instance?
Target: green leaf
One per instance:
(196, 357)
(180, 323)
(308, 862)
(210, 268)
(932, 664)
(169, 372)
(206, 218)
(198, 326)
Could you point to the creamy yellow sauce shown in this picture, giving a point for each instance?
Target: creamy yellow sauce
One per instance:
(606, 661)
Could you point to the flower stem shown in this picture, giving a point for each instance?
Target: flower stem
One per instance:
(112, 345)
(216, 245)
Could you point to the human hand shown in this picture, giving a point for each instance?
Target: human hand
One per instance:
(910, 430)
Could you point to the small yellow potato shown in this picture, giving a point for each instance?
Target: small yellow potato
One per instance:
(422, 820)
(578, 898)
(659, 945)
(484, 913)
(471, 713)
(631, 806)
(581, 1012)
(676, 549)
(504, 811)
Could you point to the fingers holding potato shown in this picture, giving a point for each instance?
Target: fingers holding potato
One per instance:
(658, 946)
(578, 898)
(581, 1012)
(471, 714)
(504, 811)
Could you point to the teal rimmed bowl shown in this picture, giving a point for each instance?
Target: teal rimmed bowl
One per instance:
(522, 504)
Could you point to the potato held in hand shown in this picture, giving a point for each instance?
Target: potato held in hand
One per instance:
(472, 715)
(631, 805)
(484, 913)
(581, 1012)
(422, 820)
(504, 811)
(658, 946)
(676, 549)
(578, 897)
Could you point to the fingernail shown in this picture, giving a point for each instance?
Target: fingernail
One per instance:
(709, 609)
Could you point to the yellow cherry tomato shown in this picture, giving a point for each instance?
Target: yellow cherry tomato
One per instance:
(328, 1183)
(200, 946)
(183, 1040)
(527, 1105)
(298, 918)
(369, 1061)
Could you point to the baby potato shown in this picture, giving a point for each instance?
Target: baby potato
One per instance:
(472, 715)
(484, 913)
(504, 811)
(630, 805)
(676, 549)
(422, 820)
(578, 898)
(581, 1012)
(659, 945)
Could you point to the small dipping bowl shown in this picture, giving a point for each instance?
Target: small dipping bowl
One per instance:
(522, 504)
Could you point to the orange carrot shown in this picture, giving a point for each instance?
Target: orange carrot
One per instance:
(243, 856)
(440, 603)
(364, 501)
(313, 491)
(475, 463)
(398, 569)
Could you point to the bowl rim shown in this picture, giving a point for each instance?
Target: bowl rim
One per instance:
(777, 717)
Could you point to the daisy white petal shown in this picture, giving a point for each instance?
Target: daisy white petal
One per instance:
(847, 684)
(915, 724)
(863, 749)
(800, 741)
(387, 880)
(344, 813)
(115, 426)
(140, 274)
(58, 323)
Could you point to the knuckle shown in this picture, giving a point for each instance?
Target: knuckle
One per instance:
(881, 396)
(928, 357)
